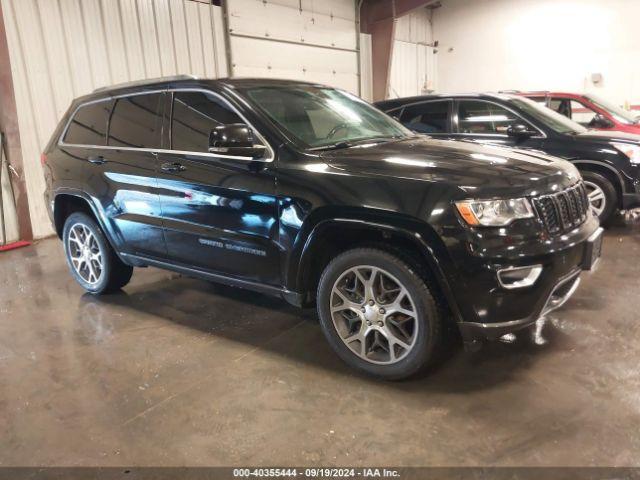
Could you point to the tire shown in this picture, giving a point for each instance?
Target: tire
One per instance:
(342, 297)
(601, 188)
(91, 260)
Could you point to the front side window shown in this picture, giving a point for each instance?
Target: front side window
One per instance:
(546, 116)
(430, 117)
(581, 113)
(89, 124)
(478, 117)
(620, 114)
(195, 115)
(576, 111)
(320, 116)
(136, 121)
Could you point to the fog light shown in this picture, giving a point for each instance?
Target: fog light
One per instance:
(519, 277)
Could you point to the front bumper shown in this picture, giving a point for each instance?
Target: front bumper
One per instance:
(630, 200)
(561, 292)
(490, 310)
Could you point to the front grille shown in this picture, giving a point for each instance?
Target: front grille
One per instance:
(564, 210)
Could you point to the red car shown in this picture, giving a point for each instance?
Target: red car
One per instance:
(589, 110)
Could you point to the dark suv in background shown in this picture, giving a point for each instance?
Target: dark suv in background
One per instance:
(608, 161)
(307, 192)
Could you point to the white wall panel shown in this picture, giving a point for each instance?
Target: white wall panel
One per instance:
(414, 27)
(264, 58)
(299, 40)
(366, 67)
(62, 49)
(412, 70)
(540, 45)
(329, 23)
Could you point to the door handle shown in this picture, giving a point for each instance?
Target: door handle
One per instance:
(96, 159)
(173, 167)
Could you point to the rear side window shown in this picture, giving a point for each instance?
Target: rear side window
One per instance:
(136, 121)
(89, 124)
(195, 114)
(430, 117)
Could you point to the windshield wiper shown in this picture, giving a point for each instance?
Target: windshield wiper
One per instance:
(358, 141)
(333, 146)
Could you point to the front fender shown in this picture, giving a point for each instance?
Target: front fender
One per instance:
(424, 237)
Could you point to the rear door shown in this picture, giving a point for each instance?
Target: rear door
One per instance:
(432, 117)
(130, 197)
(114, 138)
(219, 211)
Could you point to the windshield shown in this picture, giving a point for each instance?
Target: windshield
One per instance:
(620, 114)
(553, 120)
(321, 116)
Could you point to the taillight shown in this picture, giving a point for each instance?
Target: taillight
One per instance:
(43, 159)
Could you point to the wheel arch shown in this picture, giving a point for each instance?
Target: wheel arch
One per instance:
(68, 201)
(607, 171)
(408, 239)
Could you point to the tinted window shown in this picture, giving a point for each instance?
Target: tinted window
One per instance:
(431, 117)
(477, 117)
(89, 124)
(195, 114)
(136, 121)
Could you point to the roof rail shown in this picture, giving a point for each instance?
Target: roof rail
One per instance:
(146, 81)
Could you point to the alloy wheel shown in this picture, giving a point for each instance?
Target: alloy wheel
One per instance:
(85, 254)
(596, 196)
(374, 314)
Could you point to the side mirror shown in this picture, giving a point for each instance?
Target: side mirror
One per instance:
(235, 139)
(600, 121)
(519, 131)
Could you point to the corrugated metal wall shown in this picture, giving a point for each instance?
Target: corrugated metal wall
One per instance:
(413, 66)
(62, 49)
(297, 39)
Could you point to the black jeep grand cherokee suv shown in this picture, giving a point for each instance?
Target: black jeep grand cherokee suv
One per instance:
(309, 193)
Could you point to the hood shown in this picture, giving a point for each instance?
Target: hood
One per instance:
(606, 136)
(473, 167)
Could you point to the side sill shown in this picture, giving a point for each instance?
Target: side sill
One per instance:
(294, 298)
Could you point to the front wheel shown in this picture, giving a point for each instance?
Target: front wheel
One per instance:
(378, 314)
(92, 261)
(602, 195)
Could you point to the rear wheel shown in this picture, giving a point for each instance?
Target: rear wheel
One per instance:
(602, 195)
(92, 261)
(378, 314)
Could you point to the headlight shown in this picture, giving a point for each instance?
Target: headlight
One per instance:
(631, 151)
(494, 213)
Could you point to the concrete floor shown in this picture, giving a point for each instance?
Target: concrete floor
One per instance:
(176, 371)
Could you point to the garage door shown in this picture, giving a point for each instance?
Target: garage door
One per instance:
(295, 39)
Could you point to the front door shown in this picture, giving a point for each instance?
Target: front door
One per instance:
(487, 122)
(219, 213)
